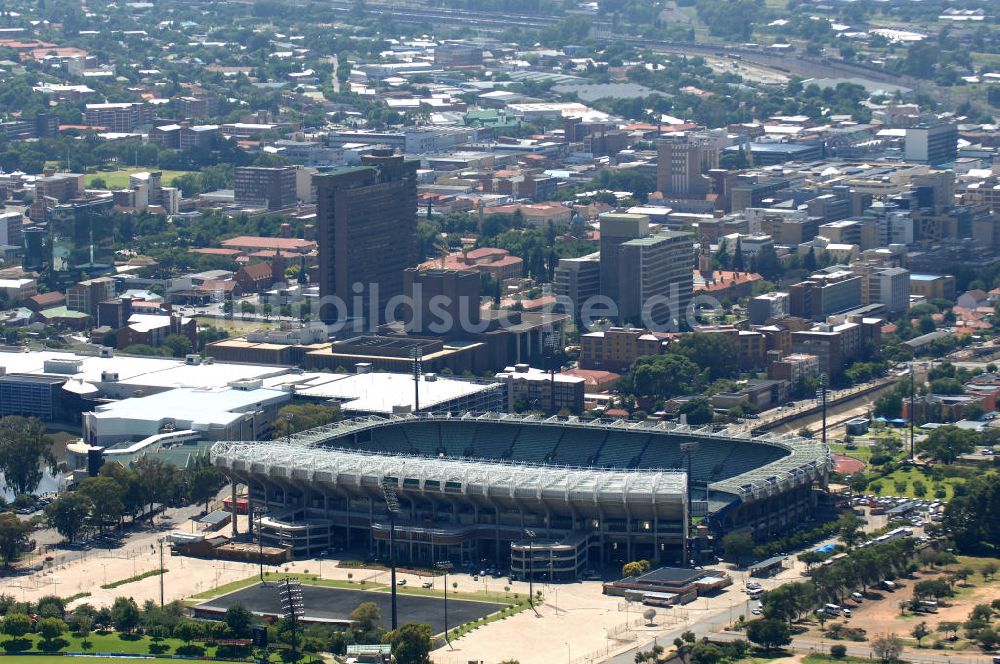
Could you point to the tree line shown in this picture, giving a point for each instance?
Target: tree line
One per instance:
(116, 493)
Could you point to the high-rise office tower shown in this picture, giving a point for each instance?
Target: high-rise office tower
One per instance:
(617, 229)
(367, 222)
(656, 279)
(932, 143)
(259, 186)
(81, 239)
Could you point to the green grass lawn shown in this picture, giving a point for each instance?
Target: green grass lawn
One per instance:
(119, 179)
(909, 475)
(827, 659)
(42, 659)
(104, 643)
(112, 644)
(861, 452)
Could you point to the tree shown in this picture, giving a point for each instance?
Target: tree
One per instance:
(81, 619)
(947, 443)
(16, 624)
(51, 606)
(50, 628)
(68, 513)
(738, 547)
(106, 495)
(24, 448)
(13, 537)
(698, 411)
(366, 615)
(717, 353)
(125, 615)
(850, 529)
(187, 630)
(239, 620)
(769, 634)
(157, 480)
(411, 643)
(664, 376)
(887, 647)
(989, 570)
(949, 627)
(636, 568)
(299, 417)
(205, 483)
(919, 631)
(921, 57)
(178, 345)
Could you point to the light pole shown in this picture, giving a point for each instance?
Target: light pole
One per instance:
(288, 427)
(444, 566)
(161, 569)
(530, 568)
(569, 653)
(260, 545)
(822, 395)
(912, 397)
(392, 505)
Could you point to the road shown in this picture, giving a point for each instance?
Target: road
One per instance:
(811, 644)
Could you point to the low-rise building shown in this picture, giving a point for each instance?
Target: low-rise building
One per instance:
(535, 389)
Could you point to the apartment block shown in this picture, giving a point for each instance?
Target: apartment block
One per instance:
(616, 348)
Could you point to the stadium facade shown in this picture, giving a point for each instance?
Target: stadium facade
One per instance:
(550, 495)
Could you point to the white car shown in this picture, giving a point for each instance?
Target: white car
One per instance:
(756, 612)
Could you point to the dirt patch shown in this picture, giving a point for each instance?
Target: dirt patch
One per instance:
(881, 607)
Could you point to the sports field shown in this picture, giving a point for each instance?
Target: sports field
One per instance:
(334, 604)
(119, 179)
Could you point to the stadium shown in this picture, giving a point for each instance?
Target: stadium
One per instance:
(536, 495)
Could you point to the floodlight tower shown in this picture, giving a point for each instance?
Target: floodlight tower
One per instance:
(392, 505)
(293, 608)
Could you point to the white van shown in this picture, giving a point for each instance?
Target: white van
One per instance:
(832, 609)
(857, 597)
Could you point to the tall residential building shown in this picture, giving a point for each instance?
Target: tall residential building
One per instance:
(11, 229)
(53, 189)
(889, 286)
(932, 143)
(617, 229)
(576, 280)
(680, 168)
(270, 187)
(656, 279)
(120, 117)
(367, 231)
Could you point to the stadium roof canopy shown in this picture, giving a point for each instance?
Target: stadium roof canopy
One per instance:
(313, 455)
